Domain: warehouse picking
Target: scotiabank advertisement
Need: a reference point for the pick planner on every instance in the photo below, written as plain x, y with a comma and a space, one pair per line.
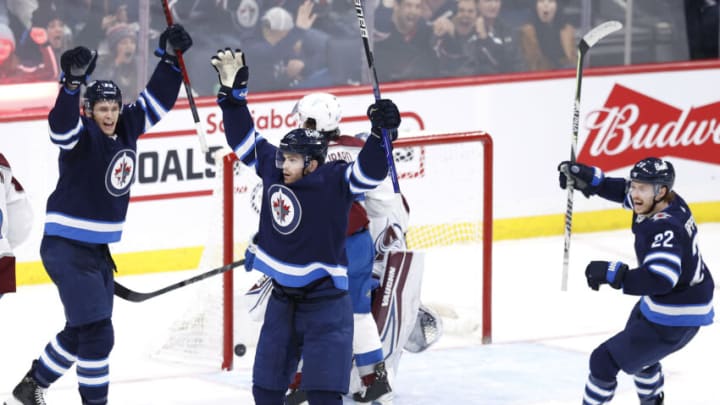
670, 111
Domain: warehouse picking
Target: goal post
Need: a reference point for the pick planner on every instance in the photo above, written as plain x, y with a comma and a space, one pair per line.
447, 180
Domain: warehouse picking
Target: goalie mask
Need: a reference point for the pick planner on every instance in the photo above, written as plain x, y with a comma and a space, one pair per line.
101, 90
319, 111
306, 142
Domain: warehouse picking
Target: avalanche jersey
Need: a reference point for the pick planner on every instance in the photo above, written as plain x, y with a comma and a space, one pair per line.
672, 278
91, 197
301, 237
382, 206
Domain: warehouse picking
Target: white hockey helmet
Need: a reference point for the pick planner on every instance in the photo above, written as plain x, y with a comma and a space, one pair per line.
323, 108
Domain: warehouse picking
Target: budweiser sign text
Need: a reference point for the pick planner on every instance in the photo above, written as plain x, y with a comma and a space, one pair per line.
632, 126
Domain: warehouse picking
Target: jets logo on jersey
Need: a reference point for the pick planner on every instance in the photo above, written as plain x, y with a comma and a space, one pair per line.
660, 215
120, 173
285, 208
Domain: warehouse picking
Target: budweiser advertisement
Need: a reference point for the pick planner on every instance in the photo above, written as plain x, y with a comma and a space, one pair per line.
631, 126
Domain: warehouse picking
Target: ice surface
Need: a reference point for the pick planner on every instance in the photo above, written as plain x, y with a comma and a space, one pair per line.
542, 337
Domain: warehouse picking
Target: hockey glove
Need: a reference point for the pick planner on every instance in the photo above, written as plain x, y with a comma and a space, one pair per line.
600, 272
250, 254
173, 40
587, 179
384, 114
77, 65
232, 73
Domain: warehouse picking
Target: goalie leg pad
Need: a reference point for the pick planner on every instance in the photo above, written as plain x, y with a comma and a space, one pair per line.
256, 298
396, 302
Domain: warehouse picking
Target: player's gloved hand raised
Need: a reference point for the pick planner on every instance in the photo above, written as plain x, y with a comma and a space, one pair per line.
250, 253
77, 65
173, 40
232, 73
587, 179
600, 272
384, 114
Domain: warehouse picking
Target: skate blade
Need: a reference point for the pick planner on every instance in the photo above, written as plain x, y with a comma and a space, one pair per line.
12, 401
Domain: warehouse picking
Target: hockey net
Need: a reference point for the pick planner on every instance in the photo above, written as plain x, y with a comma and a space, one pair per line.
447, 182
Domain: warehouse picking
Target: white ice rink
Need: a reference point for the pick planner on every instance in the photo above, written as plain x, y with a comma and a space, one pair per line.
542, 336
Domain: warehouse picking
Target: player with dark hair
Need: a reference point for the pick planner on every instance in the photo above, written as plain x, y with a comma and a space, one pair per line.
301, 241
674, 283
15, 223
87, 209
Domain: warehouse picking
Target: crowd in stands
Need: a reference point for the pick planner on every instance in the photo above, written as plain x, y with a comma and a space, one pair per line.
297, 44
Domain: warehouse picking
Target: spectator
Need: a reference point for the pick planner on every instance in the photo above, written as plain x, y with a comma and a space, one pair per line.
13, 71
406, 52
287, 55
701, 22
121, 61
481, 44
45, 18
548, 40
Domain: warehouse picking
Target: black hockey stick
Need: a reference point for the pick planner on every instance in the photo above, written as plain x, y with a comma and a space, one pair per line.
134, 296
376, 92
587, 41
186, 82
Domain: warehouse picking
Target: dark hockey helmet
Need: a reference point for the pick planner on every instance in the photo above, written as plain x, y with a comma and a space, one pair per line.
307, 142
101, 90
654, 171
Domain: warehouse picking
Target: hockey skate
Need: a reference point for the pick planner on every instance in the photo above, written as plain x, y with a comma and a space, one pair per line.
658, 400
296, 397
377, 390
27, 392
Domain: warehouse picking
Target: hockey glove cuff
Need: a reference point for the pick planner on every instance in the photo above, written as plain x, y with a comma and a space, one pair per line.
77, 65
233, 75
173, 40
384, 114
250, 254
603, 272
587, 179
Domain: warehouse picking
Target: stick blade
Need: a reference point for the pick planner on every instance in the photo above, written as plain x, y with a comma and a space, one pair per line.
600, 32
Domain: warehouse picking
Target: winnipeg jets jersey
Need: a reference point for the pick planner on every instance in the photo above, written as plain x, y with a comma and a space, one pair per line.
672, 278
92, 194
301, 235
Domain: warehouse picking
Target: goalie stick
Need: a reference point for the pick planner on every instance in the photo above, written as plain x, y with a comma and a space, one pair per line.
587, 41
376, 92
186, 83
135, 296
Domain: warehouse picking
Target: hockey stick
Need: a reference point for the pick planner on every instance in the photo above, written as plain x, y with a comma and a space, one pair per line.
587, 41
376, 92
186, 82
134, 296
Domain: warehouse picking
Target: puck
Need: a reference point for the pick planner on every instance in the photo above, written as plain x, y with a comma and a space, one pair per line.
240, 349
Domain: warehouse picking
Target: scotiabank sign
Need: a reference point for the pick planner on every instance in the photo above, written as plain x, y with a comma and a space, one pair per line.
632, 126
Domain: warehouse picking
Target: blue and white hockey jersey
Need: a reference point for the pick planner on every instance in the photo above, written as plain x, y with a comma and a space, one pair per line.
92, 194
672, 278
301, 235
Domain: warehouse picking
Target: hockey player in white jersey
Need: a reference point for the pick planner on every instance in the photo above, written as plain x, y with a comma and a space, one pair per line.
15, 223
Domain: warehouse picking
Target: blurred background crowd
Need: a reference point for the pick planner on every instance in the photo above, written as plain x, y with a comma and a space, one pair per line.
294, 44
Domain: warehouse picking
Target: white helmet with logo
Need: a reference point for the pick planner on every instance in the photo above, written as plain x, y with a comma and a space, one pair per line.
323, 108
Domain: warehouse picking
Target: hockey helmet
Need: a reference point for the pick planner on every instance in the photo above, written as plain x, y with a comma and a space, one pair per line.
323, 108
306, 142
654, 171
101, 90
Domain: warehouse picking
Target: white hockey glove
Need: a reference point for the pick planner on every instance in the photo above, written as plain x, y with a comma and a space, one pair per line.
232, 73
